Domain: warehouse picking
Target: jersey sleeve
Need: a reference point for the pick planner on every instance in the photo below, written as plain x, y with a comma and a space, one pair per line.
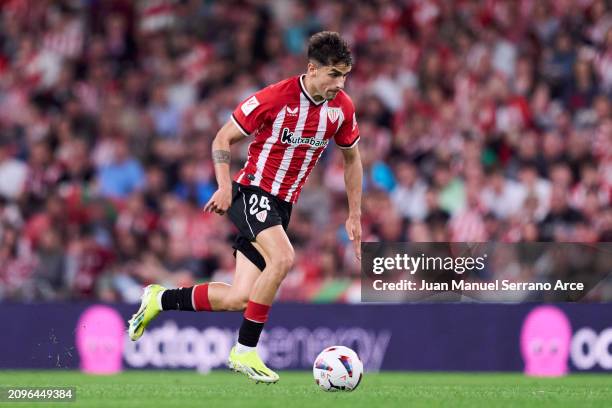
251, 113
348, 135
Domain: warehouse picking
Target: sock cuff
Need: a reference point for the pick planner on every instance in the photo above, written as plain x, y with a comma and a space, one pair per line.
159, 300
257, 312
199, 298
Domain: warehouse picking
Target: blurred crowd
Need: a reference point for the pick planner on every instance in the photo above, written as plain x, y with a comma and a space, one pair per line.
480, 121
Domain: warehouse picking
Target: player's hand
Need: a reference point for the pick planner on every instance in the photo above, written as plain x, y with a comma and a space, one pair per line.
219, 202
353, 228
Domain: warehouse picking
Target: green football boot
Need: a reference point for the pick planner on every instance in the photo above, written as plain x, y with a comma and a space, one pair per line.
149, 309
251, 365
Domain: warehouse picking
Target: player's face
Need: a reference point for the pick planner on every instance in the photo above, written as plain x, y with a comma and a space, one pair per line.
329, 80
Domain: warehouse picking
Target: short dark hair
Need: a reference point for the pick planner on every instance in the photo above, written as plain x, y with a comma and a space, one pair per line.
328, 48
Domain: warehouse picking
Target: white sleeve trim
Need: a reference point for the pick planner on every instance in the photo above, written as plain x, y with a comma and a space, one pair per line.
351, 145
244, 132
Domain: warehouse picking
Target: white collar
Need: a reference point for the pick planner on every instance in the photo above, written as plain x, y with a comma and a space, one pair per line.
310, 98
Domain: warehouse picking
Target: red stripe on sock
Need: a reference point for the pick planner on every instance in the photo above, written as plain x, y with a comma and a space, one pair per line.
257, 312
200, 298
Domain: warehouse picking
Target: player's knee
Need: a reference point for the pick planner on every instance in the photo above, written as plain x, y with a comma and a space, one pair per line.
283, 261
236, 303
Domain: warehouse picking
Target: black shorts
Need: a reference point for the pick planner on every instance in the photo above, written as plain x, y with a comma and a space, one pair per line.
252, 211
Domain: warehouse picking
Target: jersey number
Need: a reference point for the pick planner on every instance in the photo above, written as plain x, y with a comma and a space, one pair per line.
264, 203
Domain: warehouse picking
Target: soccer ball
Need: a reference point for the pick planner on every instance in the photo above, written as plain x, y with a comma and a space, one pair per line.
337, 368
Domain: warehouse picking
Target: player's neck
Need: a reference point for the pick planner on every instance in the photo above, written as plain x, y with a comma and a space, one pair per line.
311, 91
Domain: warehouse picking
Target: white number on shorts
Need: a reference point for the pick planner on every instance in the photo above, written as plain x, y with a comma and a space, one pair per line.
264, 203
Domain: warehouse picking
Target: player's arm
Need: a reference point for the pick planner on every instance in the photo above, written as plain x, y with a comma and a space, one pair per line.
353, 179
222, 198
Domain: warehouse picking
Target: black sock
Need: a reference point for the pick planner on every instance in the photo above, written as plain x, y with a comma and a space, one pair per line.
249, 333
177, 299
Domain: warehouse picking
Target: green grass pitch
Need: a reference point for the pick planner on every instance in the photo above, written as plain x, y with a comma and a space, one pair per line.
169, 389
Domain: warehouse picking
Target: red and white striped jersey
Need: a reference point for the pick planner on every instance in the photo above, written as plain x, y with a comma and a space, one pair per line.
290, 131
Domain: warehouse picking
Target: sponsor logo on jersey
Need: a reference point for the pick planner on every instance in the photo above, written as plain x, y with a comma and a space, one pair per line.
333, 114
288, 137
249, 105
292, 112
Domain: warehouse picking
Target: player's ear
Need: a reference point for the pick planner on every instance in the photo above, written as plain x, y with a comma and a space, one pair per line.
311, 69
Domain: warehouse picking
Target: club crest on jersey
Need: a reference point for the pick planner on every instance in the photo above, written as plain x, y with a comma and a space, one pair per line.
288, 137
261, 216
333, 114
292, 112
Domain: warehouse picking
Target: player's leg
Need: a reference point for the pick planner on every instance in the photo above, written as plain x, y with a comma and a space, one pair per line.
279, 255
219, 296
213, 296
234, 297
277, 249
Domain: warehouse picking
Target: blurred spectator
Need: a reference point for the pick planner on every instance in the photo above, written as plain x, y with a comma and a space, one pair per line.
558, 223
409, 193
191, 188
503, 197
13, 172
50, 274
123, 174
